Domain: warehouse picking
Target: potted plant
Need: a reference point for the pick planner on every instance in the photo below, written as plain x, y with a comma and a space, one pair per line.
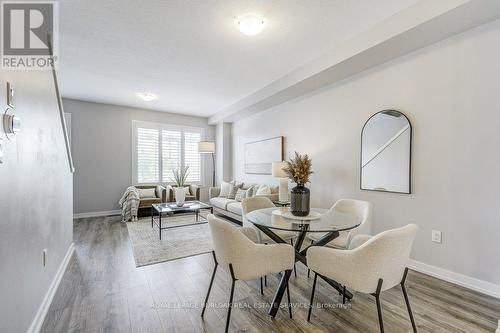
180, 176
298, 169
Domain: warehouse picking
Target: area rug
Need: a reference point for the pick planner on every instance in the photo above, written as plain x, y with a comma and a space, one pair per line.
175, 243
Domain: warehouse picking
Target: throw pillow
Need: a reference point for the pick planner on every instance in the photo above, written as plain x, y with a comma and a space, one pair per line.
233, 189
263, 190
147, 193
187, 190
240, 194
224, 189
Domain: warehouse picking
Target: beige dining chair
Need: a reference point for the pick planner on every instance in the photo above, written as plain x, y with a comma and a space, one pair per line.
377, 263
254, 203
362, 210
238, 254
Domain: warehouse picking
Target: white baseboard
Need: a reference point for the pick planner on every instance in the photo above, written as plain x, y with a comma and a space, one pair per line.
96, 214
481, 286
37, 322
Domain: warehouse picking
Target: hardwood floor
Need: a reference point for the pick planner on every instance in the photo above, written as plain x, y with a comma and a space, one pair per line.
103, 291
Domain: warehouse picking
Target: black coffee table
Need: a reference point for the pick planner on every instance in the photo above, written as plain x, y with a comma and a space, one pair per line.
170, 208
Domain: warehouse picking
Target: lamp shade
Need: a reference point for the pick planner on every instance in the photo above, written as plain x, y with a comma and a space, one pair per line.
206, 147
277, 169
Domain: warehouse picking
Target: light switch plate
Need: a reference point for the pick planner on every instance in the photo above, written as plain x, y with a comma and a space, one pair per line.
2, 146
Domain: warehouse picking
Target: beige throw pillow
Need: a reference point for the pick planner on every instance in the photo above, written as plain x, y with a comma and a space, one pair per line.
147, 193
225, 187
263, 190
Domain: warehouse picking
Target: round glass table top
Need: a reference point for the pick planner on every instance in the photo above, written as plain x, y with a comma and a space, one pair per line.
329, 221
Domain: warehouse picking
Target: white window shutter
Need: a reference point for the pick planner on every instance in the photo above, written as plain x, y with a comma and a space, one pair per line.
191, 155
171, 153
148, 162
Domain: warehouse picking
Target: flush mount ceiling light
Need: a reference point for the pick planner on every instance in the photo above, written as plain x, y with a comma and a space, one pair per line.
148, 97
250, 24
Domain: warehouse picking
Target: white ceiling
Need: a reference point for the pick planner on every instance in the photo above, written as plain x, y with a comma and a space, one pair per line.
190, 54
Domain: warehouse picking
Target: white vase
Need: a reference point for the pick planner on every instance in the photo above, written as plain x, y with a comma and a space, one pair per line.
180, 196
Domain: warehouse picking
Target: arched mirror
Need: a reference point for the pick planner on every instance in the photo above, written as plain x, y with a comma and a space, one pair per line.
386, 153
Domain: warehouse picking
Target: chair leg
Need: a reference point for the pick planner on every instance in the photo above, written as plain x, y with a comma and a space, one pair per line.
308, 270
379, 307
210, 286
265, 280
407, 301
343, 296
294, 268
230, 298
261, 287
312, 297
288, 296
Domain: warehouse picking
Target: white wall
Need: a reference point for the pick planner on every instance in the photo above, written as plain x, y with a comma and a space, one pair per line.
223, 141
450, 92
36, 205
102, 150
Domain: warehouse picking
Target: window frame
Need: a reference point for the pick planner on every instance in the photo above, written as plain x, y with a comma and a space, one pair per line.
160, 127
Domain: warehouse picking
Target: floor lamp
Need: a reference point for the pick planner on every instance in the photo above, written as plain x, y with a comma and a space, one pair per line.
208, 147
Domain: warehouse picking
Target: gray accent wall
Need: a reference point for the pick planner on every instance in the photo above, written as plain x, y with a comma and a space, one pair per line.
450, 92
102, 150
36, 205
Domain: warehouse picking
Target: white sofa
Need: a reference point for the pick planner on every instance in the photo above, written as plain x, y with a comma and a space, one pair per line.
232, 208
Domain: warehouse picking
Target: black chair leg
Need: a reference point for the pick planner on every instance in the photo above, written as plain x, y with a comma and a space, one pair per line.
261, 287
294, 268
308, 270
407, 301
210, 286
265, 280
343, 296
379, 307
230, 297
288, 296
312, 298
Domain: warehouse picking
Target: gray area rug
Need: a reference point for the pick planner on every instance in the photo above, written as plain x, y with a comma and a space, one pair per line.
175, 243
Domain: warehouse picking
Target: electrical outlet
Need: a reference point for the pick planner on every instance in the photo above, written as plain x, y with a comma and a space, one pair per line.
436, 236
44, 257
10, 95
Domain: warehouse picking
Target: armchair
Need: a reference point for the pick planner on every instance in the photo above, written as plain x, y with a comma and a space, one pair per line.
145, 203
194, 193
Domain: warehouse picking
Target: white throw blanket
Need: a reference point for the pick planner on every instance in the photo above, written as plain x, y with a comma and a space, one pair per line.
129, 204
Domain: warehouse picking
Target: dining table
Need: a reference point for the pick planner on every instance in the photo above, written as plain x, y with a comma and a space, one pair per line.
328, 222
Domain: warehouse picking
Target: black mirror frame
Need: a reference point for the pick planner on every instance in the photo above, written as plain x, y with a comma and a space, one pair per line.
411, 153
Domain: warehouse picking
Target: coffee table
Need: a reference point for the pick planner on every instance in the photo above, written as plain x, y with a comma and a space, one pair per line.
170, 208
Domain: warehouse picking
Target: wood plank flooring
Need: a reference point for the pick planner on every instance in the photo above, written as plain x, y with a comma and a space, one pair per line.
103, 291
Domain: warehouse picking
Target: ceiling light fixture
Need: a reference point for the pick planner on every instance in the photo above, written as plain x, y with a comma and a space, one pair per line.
148, 97
250, 24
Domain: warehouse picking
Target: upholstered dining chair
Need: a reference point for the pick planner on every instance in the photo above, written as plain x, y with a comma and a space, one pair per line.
359, 208
377, 264
237, 253
253, 203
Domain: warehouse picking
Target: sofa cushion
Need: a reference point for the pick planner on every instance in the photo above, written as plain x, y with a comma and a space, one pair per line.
221, 202
235, 208
147, 202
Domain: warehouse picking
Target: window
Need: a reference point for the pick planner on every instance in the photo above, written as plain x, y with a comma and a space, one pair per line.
161, 148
